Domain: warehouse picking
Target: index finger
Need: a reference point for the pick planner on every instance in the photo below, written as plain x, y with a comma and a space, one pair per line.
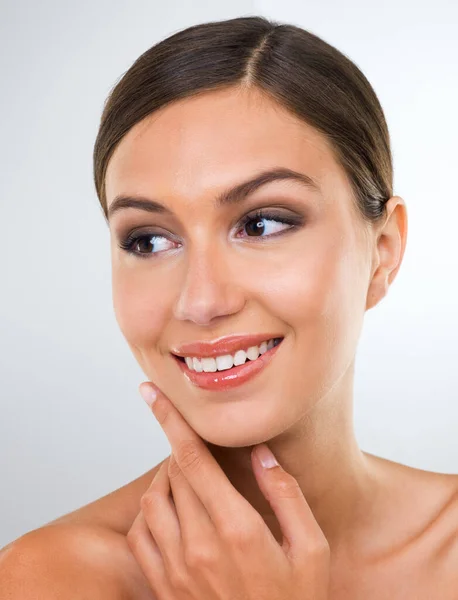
198, 465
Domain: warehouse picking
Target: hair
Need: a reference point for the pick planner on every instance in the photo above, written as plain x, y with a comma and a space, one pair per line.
294, 67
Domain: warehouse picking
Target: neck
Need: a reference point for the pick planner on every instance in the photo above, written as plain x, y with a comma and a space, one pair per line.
321, 452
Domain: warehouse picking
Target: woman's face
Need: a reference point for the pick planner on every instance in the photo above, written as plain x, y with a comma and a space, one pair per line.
206, 275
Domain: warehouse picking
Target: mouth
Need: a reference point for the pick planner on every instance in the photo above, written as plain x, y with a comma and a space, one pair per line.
227, 378
275, 342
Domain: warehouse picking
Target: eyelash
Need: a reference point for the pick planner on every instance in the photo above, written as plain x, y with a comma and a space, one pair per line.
294, 222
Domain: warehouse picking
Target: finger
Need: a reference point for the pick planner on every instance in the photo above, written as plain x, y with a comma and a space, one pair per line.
301, 532
195, 522
162, 519
221, 500
148, 556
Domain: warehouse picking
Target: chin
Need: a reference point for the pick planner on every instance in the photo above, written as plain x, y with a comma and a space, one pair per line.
235, 425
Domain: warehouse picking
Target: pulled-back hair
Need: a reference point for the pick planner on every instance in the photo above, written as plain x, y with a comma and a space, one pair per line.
296, 68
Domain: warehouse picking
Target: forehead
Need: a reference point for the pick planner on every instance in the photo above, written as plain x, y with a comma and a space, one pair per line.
210, 141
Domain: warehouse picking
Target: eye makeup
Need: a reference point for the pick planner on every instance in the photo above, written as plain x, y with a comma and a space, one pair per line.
294, 221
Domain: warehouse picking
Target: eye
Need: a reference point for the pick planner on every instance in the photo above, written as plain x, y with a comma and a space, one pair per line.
254, 223
147, 240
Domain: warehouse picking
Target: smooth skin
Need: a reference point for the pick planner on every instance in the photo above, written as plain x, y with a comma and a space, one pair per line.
391, 529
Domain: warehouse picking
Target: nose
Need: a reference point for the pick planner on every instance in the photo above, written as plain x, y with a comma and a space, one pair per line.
209, 288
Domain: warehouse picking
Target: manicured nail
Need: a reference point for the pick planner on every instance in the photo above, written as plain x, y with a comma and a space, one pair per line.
149, 394
266, 457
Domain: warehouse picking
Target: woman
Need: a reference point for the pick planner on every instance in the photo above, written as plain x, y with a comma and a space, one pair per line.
245, 172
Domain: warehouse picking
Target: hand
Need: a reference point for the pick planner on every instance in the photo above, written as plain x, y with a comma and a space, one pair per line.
209, 543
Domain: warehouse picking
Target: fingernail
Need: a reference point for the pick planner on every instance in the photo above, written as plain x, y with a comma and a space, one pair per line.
149, 394
266, 457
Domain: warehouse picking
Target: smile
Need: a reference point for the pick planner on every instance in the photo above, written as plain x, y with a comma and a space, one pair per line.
227, 361
245, 365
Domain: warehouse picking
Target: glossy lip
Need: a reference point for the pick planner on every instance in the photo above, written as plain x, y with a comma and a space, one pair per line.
225, 345
230, 378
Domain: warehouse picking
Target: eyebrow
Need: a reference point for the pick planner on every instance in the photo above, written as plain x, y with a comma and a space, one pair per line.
230, 197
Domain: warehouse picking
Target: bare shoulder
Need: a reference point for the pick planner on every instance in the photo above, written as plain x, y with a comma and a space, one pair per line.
82, 554
437, 548
426, 499
71, 561
444, 531
115, 511
425, 513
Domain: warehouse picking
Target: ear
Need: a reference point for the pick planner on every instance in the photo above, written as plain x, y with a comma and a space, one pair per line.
390, 244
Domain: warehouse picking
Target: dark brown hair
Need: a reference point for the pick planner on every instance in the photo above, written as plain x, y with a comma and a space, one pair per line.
302, 72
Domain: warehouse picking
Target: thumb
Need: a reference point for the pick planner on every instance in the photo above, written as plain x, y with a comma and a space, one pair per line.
300, 530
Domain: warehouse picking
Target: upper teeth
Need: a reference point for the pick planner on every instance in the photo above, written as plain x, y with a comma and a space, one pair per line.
227, 361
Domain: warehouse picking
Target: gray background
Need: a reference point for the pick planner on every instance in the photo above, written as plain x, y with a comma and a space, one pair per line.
72, 424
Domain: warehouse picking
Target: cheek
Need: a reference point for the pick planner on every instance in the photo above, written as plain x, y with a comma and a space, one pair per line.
307, 288
140, 310
320, 297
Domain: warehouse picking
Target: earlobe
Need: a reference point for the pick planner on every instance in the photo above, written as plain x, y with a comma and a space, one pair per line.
376, 292
389, 250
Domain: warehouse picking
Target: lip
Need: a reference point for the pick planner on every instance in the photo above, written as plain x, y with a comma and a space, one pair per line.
231, 378
225, 345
